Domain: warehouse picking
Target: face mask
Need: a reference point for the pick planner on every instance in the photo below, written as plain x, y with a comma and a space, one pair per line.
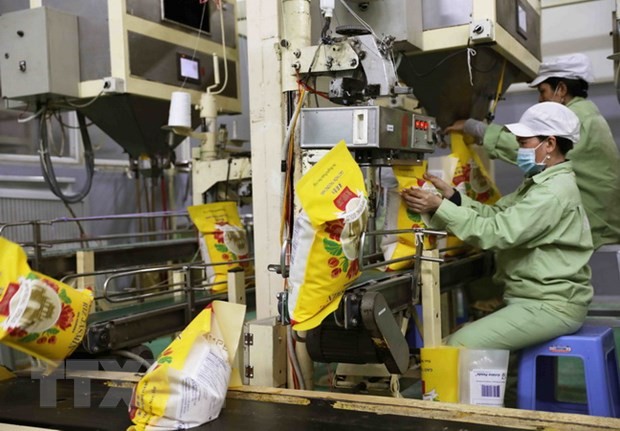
526, 160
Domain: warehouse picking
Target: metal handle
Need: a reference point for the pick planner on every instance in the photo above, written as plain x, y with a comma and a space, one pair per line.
418, 232
282, 268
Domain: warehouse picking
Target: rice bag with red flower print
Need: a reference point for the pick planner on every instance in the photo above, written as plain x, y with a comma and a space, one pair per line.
399, 216
470, 178
39, 316
326, 236
222, 239
186, 386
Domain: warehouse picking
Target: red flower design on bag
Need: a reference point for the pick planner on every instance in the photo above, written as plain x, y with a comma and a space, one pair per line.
66, 317
354, 268
17, 332
333, 262
244, 264
334, 229
462, 176
51, 284
336, 272
483, 197
219, 234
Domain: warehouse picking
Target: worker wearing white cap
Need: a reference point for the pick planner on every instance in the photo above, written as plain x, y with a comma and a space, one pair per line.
540, 235
596, 160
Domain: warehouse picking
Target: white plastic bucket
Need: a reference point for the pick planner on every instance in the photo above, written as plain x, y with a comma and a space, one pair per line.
482, 376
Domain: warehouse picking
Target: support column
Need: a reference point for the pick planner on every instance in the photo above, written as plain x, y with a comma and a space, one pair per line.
267, 128
431, 301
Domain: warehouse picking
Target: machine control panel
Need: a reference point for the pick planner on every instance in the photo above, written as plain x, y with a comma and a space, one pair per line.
423, 136
368, 127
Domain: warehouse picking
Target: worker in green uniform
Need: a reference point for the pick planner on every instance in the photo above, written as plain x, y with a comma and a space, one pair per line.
596, 160
540, 234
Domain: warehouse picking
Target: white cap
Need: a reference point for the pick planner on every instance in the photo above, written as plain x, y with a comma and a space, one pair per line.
547, 119
573, 66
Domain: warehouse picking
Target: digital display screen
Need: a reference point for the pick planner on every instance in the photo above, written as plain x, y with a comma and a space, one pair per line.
188, 68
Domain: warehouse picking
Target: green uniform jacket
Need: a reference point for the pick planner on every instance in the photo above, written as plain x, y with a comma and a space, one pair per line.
540, 234
596, 161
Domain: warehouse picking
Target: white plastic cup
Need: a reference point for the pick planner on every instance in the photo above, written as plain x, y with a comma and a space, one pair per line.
180, 115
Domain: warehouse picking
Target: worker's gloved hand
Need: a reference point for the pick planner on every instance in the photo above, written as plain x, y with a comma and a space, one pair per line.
456, 127
421, 201
444, 188
469, 127
475, 128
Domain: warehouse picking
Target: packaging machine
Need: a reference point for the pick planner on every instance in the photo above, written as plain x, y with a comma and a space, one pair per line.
396, 74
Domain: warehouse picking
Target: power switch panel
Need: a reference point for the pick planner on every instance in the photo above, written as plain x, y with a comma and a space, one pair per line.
482, 31
39, 56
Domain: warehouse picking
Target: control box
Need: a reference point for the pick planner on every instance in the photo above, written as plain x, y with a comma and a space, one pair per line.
367, 127
39, 54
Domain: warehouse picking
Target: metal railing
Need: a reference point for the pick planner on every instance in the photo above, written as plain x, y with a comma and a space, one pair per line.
40, 243
186, 289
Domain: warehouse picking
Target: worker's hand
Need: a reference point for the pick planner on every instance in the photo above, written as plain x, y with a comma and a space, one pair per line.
420, 201
444, 188
470, 128
456, 127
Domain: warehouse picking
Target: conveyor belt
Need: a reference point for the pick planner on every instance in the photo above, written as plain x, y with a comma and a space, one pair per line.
266, 409
128, 309
131, 325
455, 272
61, 263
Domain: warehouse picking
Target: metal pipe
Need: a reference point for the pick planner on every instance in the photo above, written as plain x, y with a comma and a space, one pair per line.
208, 111
49, 243
417, 232
38, 254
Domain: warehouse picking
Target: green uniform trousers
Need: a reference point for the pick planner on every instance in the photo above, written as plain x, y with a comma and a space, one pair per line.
521, 323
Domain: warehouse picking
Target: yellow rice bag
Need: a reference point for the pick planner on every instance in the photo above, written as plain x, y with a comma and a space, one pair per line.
470, 178
324, 255
187, 385
223, 239
14, 262
398, 216
39, 316
439, 368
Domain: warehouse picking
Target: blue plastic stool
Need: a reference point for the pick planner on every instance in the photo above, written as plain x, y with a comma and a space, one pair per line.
537, 373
